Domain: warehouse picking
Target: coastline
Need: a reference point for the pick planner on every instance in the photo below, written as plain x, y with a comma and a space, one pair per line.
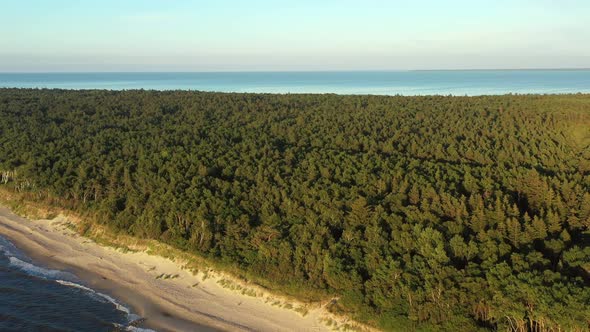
433, 82
169, 297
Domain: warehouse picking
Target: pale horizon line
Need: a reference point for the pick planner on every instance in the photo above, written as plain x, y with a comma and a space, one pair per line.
291, 71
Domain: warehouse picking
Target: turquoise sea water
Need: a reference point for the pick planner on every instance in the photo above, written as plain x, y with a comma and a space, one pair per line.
475, 82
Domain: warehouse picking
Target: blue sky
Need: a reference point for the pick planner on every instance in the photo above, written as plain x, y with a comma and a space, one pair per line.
227, 35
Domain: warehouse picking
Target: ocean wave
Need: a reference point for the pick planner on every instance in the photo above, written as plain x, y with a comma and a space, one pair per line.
134, 328
8, 249
99, 296
38, 271
20, 261
131, 317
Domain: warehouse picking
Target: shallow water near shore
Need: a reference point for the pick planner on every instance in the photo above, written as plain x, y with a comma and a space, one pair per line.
35, 298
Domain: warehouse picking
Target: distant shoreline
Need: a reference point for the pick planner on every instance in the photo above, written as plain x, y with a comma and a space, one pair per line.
465, 82
294, 71
585, 93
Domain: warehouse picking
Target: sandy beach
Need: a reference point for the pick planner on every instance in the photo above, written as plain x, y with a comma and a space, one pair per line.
169, 297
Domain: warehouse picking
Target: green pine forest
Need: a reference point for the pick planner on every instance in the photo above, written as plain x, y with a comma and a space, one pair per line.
416, 213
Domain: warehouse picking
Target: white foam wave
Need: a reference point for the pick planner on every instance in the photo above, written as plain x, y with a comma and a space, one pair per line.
20, 261
103, 298
100, 296
7, 248
37, 271
138, 329
132, 328
12, 253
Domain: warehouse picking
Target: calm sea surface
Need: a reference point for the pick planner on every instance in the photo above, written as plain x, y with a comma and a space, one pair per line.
33, 298
476, 82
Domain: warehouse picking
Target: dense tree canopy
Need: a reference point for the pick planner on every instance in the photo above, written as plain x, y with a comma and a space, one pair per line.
441, 213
